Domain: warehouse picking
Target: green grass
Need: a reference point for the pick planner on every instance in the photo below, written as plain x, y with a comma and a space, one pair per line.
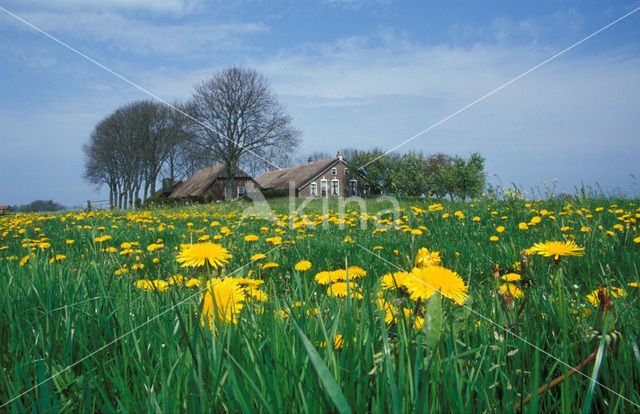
155, 354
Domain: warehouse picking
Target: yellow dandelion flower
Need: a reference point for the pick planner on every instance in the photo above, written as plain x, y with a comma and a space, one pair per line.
154, 246
102, 238
394, 280
323, 277
256, 293
270, 265
70, 241
523, 226
556, 249
338, 274
494, 238
356, 272
425, 281
338, 341
302, 266
426, 258
222, 302
258, 256
196, 255
511, 288
377, 247
251, 238
511, 277
500, 229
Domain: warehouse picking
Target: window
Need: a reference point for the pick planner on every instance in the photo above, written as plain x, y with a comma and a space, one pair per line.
353, 188
240, 191
335, 188
323, 187
334, 171
314, 189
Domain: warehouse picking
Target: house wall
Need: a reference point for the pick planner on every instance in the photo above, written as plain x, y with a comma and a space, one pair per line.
342, 178
217, 188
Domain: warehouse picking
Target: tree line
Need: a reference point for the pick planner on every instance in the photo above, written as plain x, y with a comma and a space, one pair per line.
233, 118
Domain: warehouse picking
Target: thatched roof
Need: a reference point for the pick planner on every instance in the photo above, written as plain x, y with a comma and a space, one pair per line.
299, 174
200, 182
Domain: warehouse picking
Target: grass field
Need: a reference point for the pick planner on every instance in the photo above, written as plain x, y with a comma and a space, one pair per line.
98, 314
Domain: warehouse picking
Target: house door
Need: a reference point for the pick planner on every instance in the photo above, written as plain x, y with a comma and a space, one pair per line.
323, 188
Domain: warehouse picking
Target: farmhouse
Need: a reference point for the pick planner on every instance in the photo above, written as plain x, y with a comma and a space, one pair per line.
325, 178
210, 181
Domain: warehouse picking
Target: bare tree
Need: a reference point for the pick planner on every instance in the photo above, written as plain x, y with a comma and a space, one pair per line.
237, 113
128, 148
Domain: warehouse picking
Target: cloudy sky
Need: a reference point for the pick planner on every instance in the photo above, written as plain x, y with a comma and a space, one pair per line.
352, 73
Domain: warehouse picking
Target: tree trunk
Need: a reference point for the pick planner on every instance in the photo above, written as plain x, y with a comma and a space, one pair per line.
228, 182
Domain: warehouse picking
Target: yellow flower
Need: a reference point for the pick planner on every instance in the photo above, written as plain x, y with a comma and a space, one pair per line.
585, 229
500, 229
340, 289
258, 256
377, 247
204, 238
425, 281
523, 226
196, 255
222, 302
416, 232
613, 293
57, 257
557, 249
356, 272
426, 258
494, 238
302, 266
251, 238
270, 265
338, 341
394, 280
511, 277
323, 277
70, 241
154, 246
145, 284
102, 238
637, 239
476, 218
513, 289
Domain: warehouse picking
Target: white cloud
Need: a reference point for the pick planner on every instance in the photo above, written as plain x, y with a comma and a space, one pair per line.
120, 33
158, 6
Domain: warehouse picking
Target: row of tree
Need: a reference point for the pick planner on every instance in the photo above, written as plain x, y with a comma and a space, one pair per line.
233, 118
416, 174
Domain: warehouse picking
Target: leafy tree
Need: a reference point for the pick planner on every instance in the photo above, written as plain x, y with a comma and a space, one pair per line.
408, 174
458, 177
40, 206
235, 112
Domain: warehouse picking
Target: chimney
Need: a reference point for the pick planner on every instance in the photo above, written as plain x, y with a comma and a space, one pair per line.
338, 155
310, 160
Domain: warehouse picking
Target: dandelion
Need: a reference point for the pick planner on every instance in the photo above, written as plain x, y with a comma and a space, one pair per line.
323, 277
102, 238
356, 272
338, 341
222, 302
614, 292
197, 255
557, 249
511, 277
154, 246
270, 265
70, 241
500, 229
394, 280
251, 238
258, 256
57, 258
426, 258
425, 281
302, 266
512, 289
494, 238
523, 226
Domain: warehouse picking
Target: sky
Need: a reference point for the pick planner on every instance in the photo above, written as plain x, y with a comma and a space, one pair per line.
351, 73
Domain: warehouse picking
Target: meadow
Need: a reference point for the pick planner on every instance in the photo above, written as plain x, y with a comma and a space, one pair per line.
428, 306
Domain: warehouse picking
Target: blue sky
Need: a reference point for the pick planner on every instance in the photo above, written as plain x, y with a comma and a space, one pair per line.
353, 73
